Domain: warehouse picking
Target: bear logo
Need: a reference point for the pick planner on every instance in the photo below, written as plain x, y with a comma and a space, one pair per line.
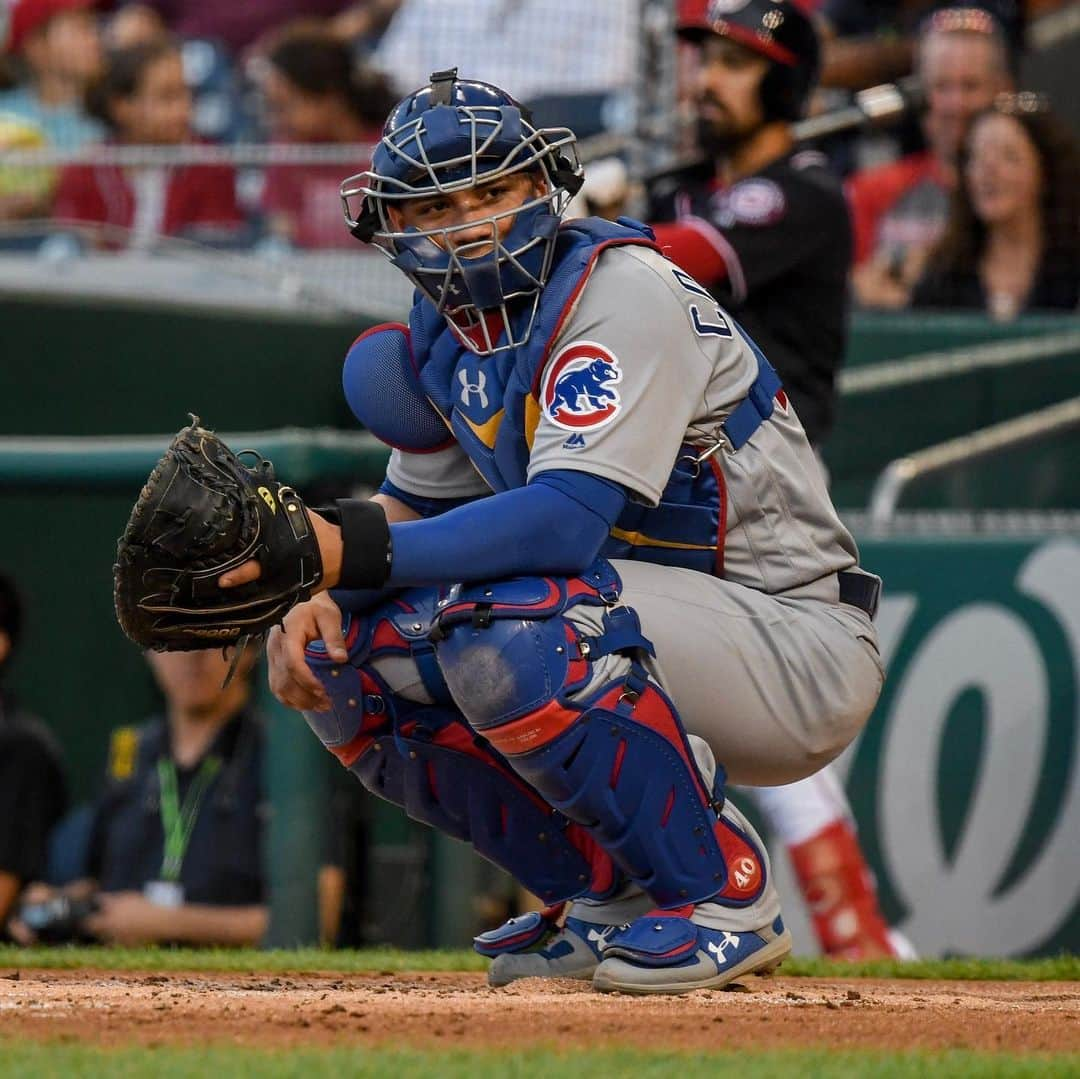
579, 388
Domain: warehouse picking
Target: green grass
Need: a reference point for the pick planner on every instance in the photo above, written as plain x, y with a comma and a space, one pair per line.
377, 960
42, 1061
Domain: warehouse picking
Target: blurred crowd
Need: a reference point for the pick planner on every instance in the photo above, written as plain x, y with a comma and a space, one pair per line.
983, 169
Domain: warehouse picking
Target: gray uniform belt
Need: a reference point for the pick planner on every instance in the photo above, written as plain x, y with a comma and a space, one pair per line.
862, 590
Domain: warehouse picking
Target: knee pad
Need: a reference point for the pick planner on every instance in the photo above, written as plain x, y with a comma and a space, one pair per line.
608, 752
360, 699
425, 759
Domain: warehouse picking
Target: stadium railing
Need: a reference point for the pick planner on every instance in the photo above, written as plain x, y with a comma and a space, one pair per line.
899, 474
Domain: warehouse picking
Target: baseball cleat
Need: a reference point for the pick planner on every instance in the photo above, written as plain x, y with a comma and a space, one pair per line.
532, 946
668, 953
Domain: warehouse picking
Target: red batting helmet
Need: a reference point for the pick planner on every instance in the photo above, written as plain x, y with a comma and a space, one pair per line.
776, 29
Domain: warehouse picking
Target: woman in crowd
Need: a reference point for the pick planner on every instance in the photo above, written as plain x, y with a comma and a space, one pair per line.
144, 100
1012, 241
315, 94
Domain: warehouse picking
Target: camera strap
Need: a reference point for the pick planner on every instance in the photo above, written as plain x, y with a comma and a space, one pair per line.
178, 821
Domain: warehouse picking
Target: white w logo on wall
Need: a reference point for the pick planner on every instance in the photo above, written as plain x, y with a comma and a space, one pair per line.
996, 872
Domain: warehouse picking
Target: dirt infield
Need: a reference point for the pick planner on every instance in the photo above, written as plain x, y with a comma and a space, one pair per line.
443, 1010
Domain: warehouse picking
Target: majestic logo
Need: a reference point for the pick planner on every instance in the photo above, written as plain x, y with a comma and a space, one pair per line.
729, 940
468, 388
574, 442
578, 390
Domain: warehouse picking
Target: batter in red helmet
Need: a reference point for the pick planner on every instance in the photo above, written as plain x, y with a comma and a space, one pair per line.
763, 224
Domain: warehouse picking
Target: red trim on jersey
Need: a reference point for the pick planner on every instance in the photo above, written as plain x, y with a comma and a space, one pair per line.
572, 301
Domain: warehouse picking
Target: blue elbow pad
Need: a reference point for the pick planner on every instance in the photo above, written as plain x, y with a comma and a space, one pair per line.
382, 387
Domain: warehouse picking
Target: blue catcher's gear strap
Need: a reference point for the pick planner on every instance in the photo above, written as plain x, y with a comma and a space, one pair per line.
756, 407
613, 757
555, 524
521, 933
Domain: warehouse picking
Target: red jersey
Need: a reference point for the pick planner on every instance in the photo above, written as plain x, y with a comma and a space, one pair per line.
196, 197
899, 205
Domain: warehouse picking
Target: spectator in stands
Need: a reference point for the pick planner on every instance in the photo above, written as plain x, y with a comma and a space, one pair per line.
57, 48
144, 100
176, 849
572, 64
315, 94
32, 791
239, 24
899, 209
865, 44
1012, 240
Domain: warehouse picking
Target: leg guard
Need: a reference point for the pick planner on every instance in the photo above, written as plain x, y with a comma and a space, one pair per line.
424, 758
582, 721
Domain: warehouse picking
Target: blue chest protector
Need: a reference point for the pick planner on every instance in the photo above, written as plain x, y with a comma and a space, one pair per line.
488, 399
492, 407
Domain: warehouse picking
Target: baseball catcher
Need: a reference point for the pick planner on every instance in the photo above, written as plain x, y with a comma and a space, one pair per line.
601, 578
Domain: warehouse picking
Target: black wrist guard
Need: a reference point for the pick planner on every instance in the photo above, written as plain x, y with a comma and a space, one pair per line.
365, 540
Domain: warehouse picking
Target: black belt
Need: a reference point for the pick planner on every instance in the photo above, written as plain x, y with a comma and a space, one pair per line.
862, 590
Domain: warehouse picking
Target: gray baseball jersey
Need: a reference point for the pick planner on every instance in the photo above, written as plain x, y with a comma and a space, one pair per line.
677, 365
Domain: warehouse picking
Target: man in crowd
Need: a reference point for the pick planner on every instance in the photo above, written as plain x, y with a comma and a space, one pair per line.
176, 848
899, 209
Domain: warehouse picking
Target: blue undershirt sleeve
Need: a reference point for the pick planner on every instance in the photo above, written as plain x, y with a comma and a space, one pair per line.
556, 524
426, 507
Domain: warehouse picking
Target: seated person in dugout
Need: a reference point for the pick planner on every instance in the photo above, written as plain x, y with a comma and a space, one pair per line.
32, 790
176, 848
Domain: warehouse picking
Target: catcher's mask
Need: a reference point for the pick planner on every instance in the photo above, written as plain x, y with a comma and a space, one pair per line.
450, 136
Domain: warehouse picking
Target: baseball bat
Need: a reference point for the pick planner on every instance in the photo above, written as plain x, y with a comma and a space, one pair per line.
873, 107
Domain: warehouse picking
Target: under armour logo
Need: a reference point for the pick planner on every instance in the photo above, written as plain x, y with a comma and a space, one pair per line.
476, 387
599, 937
730, 940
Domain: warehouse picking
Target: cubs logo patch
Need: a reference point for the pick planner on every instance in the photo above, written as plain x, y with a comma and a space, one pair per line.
579, 387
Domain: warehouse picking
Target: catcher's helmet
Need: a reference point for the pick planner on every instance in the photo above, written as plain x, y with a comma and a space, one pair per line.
447, 137
777, 29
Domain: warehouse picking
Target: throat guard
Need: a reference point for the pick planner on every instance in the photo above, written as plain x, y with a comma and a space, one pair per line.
450, 136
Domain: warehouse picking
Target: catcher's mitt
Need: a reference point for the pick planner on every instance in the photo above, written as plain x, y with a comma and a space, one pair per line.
203, 512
